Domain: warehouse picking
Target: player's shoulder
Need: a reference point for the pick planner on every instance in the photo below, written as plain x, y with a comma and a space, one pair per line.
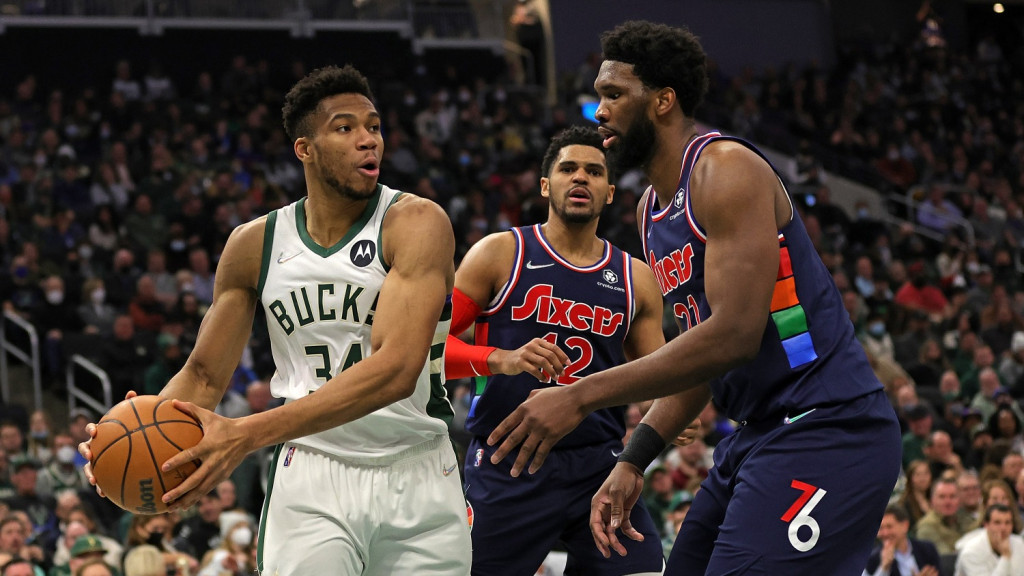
498, 247
249, 234
410, 206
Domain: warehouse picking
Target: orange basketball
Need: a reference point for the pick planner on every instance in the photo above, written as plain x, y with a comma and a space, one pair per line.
133, 440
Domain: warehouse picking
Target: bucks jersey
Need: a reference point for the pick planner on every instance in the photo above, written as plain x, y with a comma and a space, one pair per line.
809, 355
320, 302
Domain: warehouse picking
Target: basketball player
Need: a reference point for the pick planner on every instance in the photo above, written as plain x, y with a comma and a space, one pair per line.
801, 486
552, 286
355, 280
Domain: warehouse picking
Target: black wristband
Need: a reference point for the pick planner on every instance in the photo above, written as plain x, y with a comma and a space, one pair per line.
643, 447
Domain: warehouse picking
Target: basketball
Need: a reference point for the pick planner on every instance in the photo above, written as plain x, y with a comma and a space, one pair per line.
132, 442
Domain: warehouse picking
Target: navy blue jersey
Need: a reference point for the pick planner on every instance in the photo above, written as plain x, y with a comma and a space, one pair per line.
809, 355
584, 311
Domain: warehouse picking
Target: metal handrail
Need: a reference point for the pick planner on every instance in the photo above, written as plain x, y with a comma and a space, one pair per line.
31, 358
75, 393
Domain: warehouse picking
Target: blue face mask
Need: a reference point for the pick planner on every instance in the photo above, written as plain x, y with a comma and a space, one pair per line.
876, 328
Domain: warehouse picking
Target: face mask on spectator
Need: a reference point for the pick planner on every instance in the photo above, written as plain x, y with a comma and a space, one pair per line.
876, 329
65, 455
55, 296
155, 539
40, 435
85, 251
242, 536
98, 296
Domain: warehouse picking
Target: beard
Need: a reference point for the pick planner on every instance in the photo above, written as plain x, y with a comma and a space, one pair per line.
635, 147
345, 191
576, 216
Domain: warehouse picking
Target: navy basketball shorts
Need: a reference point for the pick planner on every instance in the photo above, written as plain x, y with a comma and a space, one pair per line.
517, 521
799, 494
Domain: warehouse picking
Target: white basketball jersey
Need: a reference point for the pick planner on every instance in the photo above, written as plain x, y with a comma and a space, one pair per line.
320, 304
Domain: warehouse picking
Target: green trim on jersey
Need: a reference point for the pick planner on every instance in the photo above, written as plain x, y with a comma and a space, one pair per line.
380, 234
357, 226
268, 247
438, 405
266, 504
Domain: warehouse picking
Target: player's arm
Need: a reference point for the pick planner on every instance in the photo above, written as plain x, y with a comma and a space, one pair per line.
733, 194
419, 244
227, 324
645, 336
481, 275
224, 331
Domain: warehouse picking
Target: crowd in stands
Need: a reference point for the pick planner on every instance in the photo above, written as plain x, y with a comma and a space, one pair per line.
116, 201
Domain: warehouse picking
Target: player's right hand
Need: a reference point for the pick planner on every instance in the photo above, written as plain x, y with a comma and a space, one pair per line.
85, 449
538, 357
611, 507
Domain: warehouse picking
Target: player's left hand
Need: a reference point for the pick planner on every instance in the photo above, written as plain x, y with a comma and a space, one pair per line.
221, 450
538, 424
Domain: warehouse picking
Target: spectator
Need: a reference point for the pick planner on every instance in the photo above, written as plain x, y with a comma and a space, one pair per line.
940, 454
40, 434
156, 531
897, 553
40, 508
946, 522
202, 531
1011, 367
202, 275
94, 313
915, 499
144, 560
125, 356
61, 473
969, 487
918, 294
1004, 423
920, 422
145, 309
999, 551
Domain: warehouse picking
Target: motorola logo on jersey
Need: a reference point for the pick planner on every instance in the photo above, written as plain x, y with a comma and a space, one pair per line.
610, 277
566, 313
680, 198
363, 252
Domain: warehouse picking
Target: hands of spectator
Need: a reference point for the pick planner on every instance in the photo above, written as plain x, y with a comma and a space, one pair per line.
927, 571
611, 506
888, 554
538, 357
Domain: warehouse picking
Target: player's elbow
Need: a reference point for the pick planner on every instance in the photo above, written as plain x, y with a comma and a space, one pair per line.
744, 343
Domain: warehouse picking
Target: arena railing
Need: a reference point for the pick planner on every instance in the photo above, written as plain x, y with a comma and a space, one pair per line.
76, 394
446, 23
29, 357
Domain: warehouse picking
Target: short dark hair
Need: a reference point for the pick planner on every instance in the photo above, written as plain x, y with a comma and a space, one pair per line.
14, 562
302, 100
662, 56
573, 135
898, 512
996, 508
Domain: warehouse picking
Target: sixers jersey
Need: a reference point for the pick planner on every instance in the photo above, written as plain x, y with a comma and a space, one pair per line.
584, 311
809, 355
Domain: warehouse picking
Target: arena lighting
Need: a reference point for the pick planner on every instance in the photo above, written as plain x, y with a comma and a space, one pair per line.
998, 8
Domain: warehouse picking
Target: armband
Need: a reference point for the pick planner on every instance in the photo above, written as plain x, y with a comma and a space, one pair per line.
643, 447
